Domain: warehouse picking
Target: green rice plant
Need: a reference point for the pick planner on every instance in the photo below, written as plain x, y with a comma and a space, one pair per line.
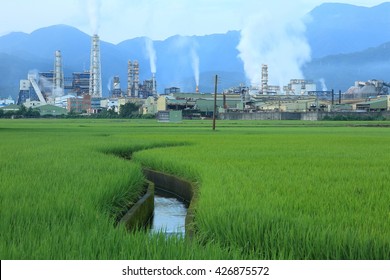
267, 190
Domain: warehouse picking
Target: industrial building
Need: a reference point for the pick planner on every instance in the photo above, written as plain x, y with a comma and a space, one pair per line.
153, 105
362, 90
51, 110
44, 87
134, 87
79, 83
170, 116
39, 87
300, 87
132, 78
6, 102
82, 93
172, 90
116, 90
79, 104
31, 89
375, 105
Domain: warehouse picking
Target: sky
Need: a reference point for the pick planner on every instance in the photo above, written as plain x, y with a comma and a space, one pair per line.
118, 20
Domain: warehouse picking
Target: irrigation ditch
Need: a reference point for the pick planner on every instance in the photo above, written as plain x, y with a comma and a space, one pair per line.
182, 192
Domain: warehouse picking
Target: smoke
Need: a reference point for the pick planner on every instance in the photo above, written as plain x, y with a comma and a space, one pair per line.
323, 85
152, 54
195, 62
188, 48
93, 8
34, 73
109, 84
277, 40
47, 87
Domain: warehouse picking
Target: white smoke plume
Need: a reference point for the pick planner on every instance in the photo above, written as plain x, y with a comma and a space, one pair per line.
277, 40
188, 45
323, 85
109, 83
93, 8
195, 62
47, 86
152, 54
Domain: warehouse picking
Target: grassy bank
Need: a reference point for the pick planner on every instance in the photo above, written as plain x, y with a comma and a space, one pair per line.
272, 190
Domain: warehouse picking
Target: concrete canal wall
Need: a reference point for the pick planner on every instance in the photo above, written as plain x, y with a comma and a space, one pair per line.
140, 214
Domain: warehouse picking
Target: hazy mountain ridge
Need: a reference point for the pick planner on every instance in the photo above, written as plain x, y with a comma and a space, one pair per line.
348, 43
342, 28
340, 71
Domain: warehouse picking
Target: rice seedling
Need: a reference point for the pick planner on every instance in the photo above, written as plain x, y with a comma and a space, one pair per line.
282, 190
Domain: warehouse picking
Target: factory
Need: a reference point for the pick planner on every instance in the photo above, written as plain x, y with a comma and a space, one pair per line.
362, 90
81, 92
41, 88
135, 88
300, 87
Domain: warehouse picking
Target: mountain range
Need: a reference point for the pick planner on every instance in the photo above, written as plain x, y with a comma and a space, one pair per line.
347, 43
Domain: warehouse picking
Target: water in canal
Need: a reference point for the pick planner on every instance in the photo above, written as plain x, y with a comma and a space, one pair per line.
169, 214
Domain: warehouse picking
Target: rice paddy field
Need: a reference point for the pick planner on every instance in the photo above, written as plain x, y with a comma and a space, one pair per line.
267, 190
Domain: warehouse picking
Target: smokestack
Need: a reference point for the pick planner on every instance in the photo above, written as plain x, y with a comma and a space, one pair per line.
264, 79
58, 82
130, 78
136, 78
95, 79
116, 87
154, 85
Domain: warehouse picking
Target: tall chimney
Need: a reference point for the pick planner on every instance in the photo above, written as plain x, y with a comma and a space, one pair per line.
264, 79
130, 79
136, 78
95, 79
58, 83
154, 85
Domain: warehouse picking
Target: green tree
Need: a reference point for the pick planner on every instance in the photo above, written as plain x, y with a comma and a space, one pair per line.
30, 113
129, 110
22, 111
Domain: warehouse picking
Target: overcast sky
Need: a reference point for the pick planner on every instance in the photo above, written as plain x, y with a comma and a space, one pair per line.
118, 20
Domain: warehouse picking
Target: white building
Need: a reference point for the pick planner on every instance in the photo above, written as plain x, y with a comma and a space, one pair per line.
62, 101
6, 101
300, 87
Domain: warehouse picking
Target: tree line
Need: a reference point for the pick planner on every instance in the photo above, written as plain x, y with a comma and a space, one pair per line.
126, 111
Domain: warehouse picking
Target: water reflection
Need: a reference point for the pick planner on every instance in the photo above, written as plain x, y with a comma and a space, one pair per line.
169, 215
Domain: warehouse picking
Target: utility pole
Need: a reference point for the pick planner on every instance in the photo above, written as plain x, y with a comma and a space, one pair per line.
332, 96
215, 100
339, 96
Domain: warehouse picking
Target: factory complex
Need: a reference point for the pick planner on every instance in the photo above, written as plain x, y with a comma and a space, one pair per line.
51, 93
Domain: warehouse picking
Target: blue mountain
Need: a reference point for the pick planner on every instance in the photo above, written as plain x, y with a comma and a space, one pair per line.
341, 28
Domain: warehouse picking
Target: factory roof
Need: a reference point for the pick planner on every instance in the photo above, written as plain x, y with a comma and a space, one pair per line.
12, 107
179, 101
48, 109
374, 104
208, 104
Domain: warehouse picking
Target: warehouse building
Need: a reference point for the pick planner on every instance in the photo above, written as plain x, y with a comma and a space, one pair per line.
376, 105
